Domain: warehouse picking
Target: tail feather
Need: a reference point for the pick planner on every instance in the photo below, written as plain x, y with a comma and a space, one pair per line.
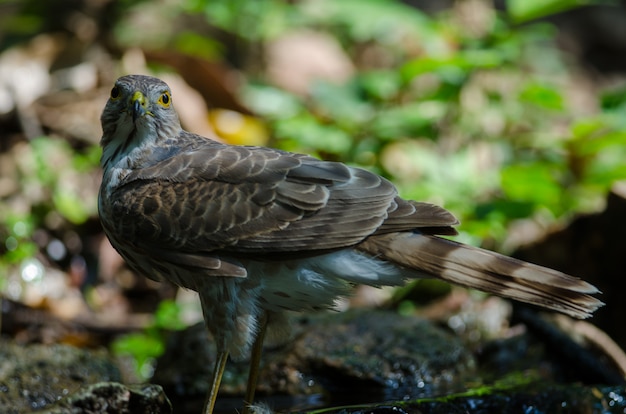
487, 271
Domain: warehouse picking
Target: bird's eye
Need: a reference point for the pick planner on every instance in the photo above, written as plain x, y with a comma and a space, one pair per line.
165, 99
115, 93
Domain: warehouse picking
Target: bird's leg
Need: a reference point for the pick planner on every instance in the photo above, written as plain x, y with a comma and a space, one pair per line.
218, 372
255, 361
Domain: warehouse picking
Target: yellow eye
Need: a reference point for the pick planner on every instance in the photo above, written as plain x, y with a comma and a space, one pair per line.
115, 93
165, 99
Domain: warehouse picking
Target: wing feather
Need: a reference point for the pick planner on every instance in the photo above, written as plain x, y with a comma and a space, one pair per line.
216, 198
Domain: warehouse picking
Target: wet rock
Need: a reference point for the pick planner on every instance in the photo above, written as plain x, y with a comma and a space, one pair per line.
337, 358
34, 376
523, 398
380, 356
114, 398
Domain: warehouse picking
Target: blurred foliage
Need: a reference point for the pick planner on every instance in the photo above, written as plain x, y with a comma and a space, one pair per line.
525, 10
144, 347
479, 119
479, 114
55, 196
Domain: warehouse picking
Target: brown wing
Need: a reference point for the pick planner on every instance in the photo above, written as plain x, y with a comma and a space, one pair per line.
258, 200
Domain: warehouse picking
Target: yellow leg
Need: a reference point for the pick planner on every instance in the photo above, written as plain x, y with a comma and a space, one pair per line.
255, 361
218, 372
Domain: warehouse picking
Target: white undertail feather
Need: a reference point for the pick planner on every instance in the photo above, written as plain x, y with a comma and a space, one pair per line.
487, 271
260, 408
316, 282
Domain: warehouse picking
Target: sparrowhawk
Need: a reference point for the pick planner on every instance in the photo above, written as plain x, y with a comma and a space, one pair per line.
258, 231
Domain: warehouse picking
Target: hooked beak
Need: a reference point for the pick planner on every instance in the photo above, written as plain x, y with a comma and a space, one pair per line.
138, 102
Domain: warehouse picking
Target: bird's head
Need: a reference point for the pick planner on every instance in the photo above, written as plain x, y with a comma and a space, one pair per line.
139, 112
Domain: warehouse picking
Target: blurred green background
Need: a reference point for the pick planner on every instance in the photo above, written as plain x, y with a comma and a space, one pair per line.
498, 111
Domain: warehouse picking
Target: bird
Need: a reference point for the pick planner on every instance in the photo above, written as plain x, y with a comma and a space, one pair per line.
258, 232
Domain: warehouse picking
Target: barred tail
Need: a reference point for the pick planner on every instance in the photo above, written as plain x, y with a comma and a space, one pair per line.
487, 271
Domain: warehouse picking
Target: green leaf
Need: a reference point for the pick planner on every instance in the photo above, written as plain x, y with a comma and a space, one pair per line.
271, 102
198, 45
70, 205
543, 96
340, 103
309, 133
614, 100
410, 120
595, 144
89, 160
142, 347
452, 68
603, 176
525, 10
535, 182
43, 150
251, 20
138, 344
380, 20
382, 85
586, 127
168, 316
18, 250
511, 209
